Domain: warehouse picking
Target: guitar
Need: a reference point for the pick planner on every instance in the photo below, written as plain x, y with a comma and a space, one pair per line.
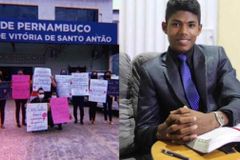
163, 151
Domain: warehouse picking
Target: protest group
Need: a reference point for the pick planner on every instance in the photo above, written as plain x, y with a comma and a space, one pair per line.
45, 99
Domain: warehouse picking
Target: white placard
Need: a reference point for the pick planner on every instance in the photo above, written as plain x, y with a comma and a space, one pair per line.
42, 79
37, 116
42, 71
79, 85
98, 90
63, 85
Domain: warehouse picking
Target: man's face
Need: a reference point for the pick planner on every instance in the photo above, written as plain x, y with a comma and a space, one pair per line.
182, 29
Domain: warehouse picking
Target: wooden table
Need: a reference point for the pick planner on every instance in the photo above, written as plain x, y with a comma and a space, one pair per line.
187, 152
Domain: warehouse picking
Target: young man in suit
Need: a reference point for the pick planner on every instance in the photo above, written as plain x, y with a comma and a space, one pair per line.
188, 90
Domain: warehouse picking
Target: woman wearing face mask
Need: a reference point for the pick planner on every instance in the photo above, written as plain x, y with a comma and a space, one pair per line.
41, 98
2, 101
93, 105
108, 104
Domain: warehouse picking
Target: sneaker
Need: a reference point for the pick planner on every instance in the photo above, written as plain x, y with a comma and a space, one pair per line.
75, 121
105, 121
2, 126
110, 122
24, 124
18, 125
81, 122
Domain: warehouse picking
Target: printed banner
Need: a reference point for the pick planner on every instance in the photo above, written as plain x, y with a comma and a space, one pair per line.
42, 79
79, 85
20, 86
63, 85
113, 87
37, 119
98, 90
59, 109
46, 31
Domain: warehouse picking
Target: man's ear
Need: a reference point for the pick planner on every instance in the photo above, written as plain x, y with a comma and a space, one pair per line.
199, 29
164, 27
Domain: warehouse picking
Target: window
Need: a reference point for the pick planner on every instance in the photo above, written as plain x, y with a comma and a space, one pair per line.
76, 14
21, 12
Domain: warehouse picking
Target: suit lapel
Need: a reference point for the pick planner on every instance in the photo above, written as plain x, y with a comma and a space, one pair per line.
172, 75
200, 75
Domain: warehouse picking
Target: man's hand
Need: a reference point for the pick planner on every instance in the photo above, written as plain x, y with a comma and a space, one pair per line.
180, 127
184, 124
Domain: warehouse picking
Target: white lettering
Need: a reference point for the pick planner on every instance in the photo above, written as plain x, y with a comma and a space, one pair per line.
50, 38
3, 36
7, 25
42, 26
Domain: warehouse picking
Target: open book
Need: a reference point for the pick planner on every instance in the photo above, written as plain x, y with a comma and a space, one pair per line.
216, 138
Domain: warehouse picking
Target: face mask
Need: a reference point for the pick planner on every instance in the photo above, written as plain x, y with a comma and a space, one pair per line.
41, 96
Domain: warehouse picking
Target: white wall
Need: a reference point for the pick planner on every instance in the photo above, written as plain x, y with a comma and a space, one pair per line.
140, 25
46, 8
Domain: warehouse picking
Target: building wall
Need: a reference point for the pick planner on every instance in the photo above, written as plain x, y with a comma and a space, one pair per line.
46, 8
74, 55
229, 30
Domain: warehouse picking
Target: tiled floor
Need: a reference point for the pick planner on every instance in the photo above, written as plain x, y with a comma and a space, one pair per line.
74, 142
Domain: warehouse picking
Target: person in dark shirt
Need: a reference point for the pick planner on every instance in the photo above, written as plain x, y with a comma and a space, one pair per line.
2, 101
20, 104
188, 90
41, 98
78, 102
109, 101
93, 105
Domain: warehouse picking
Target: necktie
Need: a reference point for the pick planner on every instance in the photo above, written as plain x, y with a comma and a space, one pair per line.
188, 84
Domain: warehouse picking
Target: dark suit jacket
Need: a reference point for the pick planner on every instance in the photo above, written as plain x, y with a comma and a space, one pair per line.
161, 90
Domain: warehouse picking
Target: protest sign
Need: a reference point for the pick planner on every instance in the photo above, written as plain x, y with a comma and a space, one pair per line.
79, 84
37, 118
98, 90
59, 109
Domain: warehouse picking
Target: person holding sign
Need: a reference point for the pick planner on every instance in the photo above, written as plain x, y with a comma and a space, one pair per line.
78, 101
93, 105
2, 100
20, 103
108, 104
42, 98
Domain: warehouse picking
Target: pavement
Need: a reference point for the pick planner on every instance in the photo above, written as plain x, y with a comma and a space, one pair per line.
75, 142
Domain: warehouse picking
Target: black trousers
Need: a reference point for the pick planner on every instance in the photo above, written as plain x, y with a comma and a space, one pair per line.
50, 120
20, 103
92, 110
78, 102
2, 110
108, 108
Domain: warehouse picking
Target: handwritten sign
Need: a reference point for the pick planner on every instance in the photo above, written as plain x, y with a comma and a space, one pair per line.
79, 85
5, 90
59, 109
20, 86
42, 79
113, 87
63, 85
37, 118
98, 90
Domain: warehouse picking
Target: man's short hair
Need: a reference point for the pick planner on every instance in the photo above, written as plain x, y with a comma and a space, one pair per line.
183, 5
